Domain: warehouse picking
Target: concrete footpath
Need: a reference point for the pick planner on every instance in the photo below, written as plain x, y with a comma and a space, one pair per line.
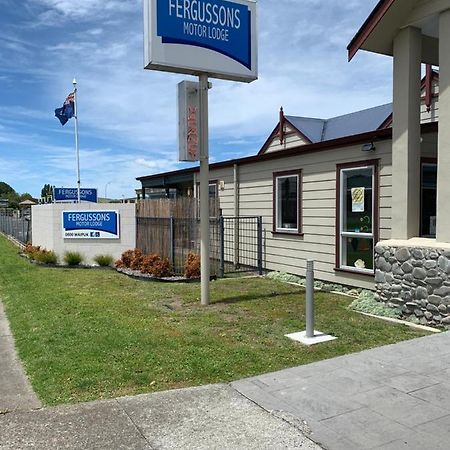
390, 398
208, 417
16, 393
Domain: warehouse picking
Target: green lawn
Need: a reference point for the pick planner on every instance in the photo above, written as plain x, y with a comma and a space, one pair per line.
89, 334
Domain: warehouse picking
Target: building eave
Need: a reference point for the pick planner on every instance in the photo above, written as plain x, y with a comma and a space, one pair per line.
376, 135
368, 26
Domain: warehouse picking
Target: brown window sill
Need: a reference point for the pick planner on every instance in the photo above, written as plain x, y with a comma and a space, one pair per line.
355, 272
287, 233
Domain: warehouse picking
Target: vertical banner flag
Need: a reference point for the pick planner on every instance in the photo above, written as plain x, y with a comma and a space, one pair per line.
188, 121
67, 111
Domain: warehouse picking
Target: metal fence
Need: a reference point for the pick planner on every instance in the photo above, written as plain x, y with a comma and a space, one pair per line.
16, 225
240, 244
235, 242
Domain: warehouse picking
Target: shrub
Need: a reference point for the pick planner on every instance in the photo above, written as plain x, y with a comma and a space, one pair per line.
31, 250
73, 258
192, 265
104, 260
119, 264
46, 257
137, 261
366, 303
127, 259
154, 265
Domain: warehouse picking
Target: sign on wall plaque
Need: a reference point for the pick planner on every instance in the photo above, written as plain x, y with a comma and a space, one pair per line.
216, 37
90, 225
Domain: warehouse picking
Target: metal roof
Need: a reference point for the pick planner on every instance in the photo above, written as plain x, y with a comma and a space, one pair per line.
320, 130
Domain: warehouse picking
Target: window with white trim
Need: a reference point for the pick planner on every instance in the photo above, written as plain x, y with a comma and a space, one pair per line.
287, 202
356, 218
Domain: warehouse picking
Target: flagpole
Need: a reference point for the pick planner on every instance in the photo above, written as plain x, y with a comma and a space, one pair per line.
77, 147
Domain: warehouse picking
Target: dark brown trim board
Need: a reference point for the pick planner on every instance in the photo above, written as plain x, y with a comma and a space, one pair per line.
377, 135
275, 175
368, 26
375, 163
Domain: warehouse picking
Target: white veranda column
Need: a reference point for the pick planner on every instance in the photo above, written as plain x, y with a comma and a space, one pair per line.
406, 134
443, 183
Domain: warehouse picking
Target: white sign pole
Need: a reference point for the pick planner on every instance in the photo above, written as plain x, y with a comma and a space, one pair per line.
204, 189
77, 146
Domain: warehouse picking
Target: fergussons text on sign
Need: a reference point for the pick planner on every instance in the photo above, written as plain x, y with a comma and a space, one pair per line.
90, 224
221, 26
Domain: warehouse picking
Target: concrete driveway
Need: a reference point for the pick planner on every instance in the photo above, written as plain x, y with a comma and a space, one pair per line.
392, 397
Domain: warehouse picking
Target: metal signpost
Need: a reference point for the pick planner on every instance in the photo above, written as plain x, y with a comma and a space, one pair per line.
310, 336
206, 38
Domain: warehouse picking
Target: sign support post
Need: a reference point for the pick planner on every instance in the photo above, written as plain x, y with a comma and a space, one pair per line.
204, 188
213, 39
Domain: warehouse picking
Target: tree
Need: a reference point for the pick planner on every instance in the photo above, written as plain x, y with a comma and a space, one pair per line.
6, 189
47, 193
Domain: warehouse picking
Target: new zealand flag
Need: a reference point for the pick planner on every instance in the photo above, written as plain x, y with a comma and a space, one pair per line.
68, 109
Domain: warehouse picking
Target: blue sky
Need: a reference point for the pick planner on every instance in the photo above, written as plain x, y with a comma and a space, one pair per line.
127, 115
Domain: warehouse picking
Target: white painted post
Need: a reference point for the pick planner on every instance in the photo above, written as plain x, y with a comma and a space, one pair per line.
204, 189
443, 166
309, 299
406, 134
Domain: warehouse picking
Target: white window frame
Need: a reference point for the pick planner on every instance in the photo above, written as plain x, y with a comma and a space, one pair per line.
343, 235
278, 206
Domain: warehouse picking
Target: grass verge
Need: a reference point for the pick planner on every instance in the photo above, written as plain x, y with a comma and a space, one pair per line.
85, 335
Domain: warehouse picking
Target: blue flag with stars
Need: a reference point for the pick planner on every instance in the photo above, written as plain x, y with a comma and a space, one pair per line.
67, 111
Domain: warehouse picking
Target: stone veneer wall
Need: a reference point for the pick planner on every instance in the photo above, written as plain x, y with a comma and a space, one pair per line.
416, 280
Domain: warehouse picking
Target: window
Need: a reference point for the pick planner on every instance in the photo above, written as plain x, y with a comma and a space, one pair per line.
357, 217
214, 201
286, 202
428, 199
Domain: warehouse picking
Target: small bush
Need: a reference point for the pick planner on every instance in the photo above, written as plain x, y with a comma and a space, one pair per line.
104, 260
137, 261
31, 250
366, 303
73, 258
46, 257
192, 265
154, 265
127, 259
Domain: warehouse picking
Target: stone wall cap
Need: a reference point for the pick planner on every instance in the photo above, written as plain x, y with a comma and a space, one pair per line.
415, 243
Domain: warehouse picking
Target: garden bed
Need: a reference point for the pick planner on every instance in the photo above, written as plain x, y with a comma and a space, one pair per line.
138, 275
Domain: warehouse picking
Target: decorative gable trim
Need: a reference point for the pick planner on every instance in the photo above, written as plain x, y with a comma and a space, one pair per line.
427, 86
276, 134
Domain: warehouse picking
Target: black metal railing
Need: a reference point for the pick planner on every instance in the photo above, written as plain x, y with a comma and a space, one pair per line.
15, 224
235, 242
240, 244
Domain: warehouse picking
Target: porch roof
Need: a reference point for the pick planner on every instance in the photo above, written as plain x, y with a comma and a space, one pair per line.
169, 180
390, 16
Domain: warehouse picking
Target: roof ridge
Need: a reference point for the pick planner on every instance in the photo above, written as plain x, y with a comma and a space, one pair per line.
306, 118
360, 111
324, 129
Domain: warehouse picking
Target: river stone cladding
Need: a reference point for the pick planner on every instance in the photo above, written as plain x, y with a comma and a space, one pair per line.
416, 280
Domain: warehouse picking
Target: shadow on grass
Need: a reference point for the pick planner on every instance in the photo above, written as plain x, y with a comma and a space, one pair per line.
253, 297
